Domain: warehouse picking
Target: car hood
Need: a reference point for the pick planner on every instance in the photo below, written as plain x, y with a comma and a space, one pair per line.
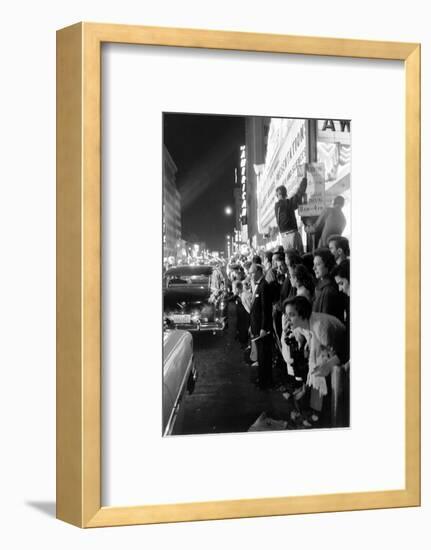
174, 342
178, 298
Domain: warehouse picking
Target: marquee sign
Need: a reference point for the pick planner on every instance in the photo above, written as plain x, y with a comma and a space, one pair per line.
334, 131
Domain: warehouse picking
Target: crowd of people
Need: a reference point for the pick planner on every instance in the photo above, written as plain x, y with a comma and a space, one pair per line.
293, 311
293, 317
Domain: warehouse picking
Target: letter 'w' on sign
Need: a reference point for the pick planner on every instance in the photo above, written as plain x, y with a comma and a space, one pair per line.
345, 124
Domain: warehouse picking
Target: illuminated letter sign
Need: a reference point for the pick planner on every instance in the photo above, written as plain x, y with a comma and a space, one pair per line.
328, 124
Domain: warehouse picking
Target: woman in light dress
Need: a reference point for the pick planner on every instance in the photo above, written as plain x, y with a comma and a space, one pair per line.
325, 342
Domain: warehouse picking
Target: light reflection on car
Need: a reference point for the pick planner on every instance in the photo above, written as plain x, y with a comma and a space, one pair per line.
179, 376
190, 303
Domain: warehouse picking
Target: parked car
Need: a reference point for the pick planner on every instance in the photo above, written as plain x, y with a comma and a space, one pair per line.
190, 303
179, 376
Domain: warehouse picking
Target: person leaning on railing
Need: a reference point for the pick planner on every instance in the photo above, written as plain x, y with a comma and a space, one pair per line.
326, 342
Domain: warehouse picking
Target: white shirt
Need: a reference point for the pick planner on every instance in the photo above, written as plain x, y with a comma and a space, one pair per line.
256, 284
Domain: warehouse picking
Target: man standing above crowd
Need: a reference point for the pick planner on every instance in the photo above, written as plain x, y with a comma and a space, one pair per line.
330, 222
286, 218
261, 324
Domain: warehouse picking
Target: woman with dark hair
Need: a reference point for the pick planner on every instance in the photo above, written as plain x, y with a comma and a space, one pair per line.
286, 291
341, 274
302, 281
307, 260
327, 299
285, 262
293, 258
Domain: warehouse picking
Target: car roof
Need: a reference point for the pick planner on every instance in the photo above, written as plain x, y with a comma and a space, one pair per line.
190, 270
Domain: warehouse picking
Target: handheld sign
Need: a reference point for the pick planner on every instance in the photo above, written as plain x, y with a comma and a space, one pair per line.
315, 189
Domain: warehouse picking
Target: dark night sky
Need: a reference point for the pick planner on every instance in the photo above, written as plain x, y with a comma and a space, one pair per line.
205, 149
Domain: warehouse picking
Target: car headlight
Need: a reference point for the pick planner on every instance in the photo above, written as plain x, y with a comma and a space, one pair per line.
196, 317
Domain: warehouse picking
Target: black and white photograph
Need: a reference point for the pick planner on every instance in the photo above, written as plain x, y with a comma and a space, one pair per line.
256, 273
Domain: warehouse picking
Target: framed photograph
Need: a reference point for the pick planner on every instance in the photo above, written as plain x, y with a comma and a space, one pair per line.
238, 275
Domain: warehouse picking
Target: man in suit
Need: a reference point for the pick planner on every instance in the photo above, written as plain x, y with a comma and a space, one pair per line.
261, 325
330, 222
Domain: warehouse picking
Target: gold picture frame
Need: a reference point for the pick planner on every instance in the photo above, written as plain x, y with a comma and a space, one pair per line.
79, 274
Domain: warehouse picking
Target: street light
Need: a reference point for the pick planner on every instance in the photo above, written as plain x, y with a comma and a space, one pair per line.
227, 210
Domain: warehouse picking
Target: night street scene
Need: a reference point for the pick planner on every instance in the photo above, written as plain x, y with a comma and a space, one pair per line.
256, 273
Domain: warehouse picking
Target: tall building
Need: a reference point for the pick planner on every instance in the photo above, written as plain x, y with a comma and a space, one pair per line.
237, 195
256, 136
171, 208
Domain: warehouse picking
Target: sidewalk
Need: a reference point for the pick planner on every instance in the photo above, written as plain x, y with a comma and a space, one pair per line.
225, 399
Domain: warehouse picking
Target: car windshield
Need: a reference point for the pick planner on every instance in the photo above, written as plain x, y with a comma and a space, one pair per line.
181, 280
188, 277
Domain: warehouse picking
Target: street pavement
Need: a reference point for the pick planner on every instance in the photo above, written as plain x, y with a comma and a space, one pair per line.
225, 399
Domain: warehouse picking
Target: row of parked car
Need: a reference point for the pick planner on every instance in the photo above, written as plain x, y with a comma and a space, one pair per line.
189, 306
